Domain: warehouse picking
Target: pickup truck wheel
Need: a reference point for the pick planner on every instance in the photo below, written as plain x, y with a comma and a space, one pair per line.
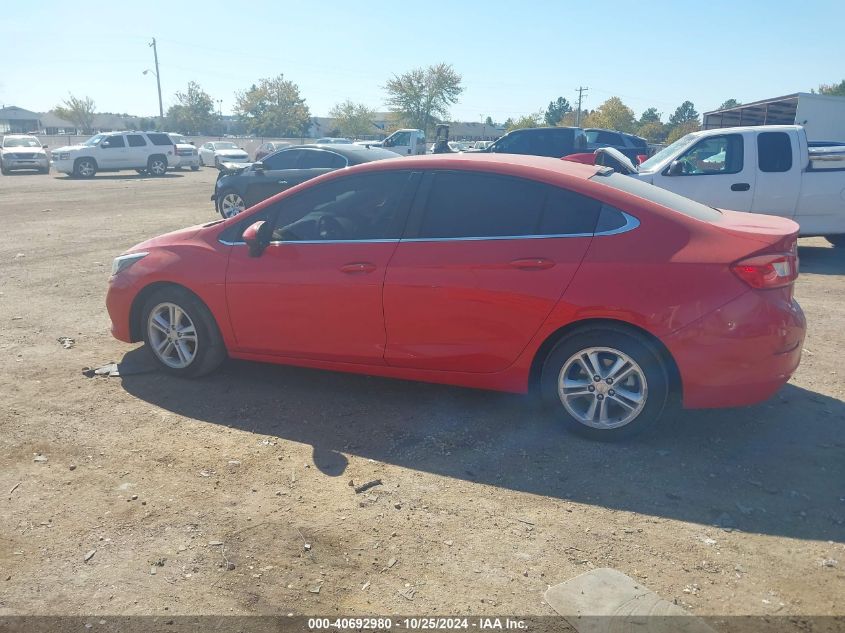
202, 163
837, 240
157, 166
194, 167
85, 168
230, 203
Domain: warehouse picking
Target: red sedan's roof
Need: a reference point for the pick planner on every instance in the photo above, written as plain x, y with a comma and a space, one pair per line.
551, 169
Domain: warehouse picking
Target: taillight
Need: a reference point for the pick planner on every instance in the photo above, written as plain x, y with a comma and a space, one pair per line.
774, 270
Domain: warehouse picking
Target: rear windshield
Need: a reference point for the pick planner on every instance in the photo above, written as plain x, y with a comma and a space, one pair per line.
663, 197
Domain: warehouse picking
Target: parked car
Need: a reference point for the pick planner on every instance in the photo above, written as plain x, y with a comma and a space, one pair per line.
238, 187
186, 152
148, 152
23, 151
482, 144
554, 142
630, 145
216, 152
329, 140
497, 272
408, 142
763, 169
265, 149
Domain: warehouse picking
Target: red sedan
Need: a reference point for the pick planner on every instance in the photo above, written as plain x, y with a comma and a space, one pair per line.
492, 271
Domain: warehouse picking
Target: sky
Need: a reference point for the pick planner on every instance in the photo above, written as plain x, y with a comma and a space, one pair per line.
514, 57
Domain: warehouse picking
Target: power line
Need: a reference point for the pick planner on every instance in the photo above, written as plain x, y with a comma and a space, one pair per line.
581, 91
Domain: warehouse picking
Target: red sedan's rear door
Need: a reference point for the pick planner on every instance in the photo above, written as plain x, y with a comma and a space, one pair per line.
485, 260
316, 291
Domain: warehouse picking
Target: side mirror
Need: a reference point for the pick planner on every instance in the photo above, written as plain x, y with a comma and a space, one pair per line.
259, 166
43, 147
256, 238
676, 168
387, 143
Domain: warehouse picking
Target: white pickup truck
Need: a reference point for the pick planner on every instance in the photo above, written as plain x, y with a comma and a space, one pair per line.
762, 169
405, 142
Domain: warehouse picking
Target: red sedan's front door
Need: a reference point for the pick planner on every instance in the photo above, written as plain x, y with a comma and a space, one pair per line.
316, 291
490, 258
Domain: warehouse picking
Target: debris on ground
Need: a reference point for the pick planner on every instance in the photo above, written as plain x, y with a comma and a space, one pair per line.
15, 487
367, 486
315, 589
66, 342
829, 562
40, 459
408, 593
89, 555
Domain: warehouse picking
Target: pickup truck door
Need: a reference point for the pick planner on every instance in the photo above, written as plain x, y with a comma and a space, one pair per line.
778, 174
719, 171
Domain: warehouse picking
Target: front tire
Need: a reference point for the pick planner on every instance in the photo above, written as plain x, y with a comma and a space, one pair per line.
230, 203
194, 167
85, 168
181, 334
606, 383
202, 163
838, 241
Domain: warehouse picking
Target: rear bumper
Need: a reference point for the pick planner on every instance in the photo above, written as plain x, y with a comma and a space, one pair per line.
742, 353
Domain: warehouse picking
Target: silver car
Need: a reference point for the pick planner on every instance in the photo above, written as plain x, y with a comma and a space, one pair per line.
22, 151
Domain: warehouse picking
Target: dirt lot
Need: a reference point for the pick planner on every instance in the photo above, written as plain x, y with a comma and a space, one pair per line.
484, 501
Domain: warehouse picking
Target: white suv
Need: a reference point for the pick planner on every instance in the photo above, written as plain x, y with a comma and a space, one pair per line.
185, 151
145, 152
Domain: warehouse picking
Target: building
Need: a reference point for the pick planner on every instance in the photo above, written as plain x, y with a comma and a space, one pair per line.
474, 131
823, 116
15, 120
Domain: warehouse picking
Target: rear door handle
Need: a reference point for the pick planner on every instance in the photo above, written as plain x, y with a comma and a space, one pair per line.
532, 263
740, 186
283, 182
358, 267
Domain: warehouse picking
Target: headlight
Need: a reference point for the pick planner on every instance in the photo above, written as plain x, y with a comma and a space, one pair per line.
64, 155
125, 261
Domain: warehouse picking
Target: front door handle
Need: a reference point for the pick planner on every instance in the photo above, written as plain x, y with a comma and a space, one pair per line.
532, 263
740, 186
283, 182
358, 267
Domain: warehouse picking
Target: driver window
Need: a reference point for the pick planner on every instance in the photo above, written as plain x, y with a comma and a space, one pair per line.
112, 142
402, 138
283, 160
366, 207
714, 155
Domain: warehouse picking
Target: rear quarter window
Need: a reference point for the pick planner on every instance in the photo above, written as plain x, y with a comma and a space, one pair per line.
655, 194
160, 139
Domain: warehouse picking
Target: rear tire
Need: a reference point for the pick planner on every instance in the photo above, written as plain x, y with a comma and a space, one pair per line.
202, 163
85, 168
157, 166
606, 383
194, 167
4, 171
181, 334
838, 241
230, 203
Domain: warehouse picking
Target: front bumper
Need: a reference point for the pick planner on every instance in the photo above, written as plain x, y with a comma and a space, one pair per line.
12, 164
742, 353
185, 161
121, 293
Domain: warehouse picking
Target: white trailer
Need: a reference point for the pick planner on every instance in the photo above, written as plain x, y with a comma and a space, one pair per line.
822, 116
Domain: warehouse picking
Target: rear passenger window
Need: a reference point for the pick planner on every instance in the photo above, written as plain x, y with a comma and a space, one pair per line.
160, 139
283, 160
135, 140
317, 159
568, 213
463, 205
774, 151
610, 219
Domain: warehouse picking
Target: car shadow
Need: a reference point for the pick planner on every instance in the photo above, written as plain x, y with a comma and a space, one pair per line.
122, 176
29, 172
777, 468
821, 260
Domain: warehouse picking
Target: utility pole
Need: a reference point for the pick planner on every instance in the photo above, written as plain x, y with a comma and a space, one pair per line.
158, 81
581, 91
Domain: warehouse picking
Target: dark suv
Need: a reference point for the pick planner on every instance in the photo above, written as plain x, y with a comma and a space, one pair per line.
630, 145
556, 142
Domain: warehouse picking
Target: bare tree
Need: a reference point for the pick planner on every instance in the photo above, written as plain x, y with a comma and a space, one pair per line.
77, 110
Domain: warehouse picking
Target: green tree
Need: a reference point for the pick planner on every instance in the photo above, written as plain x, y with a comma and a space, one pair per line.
528, 120
729, 103
79, 111
653, 131
681, 130
837, 90
194, 113
353, 119
651, 115
685, 113
489, 121
556, 111
274, 107
612, 115
422, 93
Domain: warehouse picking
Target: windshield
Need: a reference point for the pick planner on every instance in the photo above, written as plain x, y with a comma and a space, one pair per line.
21, 141
95, 140
672, 150
225, 146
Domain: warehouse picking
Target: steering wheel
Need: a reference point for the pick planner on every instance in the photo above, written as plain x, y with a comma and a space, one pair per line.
328, 228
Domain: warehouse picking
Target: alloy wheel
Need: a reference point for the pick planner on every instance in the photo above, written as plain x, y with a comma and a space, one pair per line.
172, 335
86, 168
158, 167
602, 387
231, 205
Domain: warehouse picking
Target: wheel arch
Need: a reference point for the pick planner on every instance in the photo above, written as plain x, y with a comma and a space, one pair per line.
675, 382
136, 326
